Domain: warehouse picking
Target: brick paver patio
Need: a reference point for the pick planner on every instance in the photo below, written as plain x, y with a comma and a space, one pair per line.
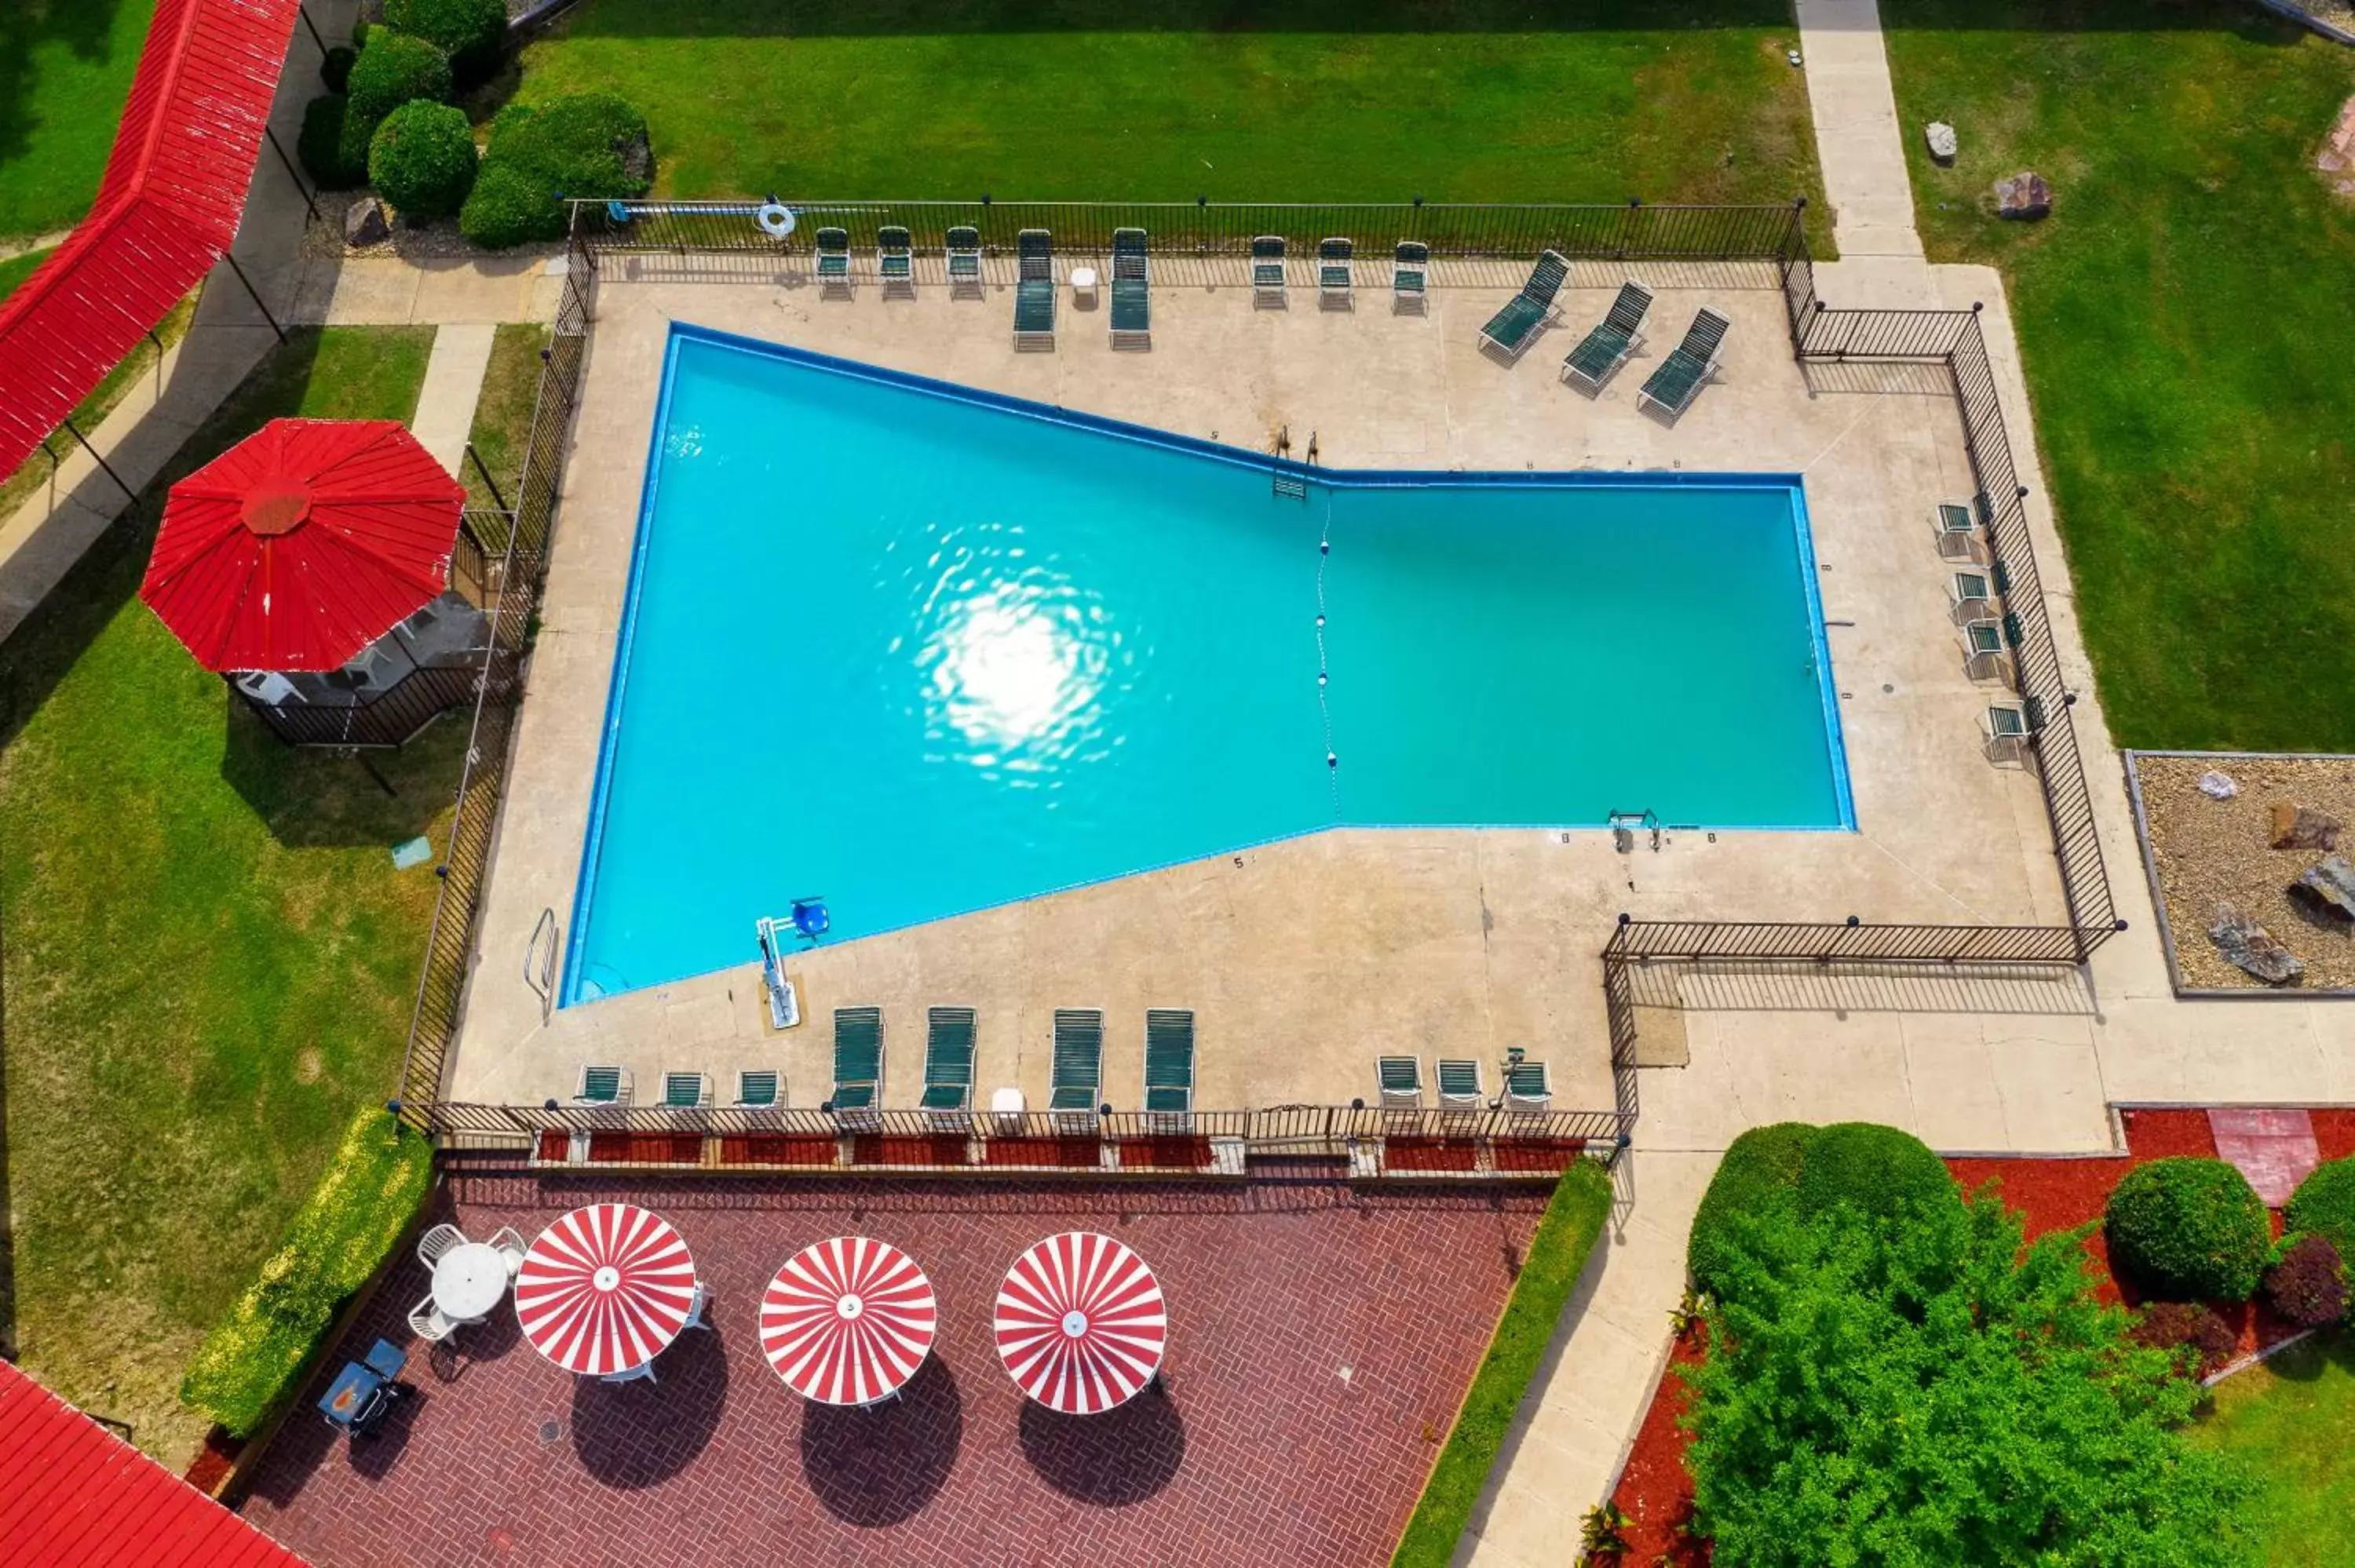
1321, 1337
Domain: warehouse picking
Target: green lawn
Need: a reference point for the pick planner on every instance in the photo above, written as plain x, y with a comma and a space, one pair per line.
502, 412
65, 69
1300, 101
2293, 1420
18, 268
2186, 320
209, 959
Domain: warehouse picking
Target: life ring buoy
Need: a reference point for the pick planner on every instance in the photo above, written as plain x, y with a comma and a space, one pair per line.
776, 218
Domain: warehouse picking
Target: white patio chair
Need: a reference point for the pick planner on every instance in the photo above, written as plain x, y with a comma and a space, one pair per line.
437, 1241
510, 1248
428, 1323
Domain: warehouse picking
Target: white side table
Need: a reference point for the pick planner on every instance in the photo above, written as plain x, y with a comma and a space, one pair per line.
468, 1281
1084, 284
1006, 1105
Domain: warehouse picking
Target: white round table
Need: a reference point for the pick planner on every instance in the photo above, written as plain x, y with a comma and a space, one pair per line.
1084, 282
468, 1281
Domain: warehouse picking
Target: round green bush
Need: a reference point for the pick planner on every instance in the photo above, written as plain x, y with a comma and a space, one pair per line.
421, 159
2189, 1229
336, 67
393, 69
508, 206
473, 33
581, 144
2324, 1203
1875, 1169
327, 147
1760, 1174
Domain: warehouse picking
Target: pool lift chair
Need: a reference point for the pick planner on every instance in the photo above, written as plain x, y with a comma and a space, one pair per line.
785, 1006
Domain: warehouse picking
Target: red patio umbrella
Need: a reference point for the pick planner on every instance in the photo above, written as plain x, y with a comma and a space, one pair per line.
604, 1289
1080, 1322
847, 1321
303, 544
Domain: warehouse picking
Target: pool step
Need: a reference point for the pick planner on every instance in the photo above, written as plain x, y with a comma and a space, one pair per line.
1290, 485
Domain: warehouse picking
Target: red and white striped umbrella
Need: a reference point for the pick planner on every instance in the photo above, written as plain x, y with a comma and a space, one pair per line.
847, 1321
1080, 1323
604, 1289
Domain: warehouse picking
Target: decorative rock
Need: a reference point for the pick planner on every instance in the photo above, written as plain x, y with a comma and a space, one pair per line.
2250, 946
2023, 196
637, 157
2329, 886
367, 223
2300, 826
1941, 138
2218, 786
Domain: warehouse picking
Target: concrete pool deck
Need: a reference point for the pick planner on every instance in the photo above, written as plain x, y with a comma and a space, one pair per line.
1304, 960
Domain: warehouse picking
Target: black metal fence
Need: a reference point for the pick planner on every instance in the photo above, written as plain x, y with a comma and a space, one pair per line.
510, 572
1774, 941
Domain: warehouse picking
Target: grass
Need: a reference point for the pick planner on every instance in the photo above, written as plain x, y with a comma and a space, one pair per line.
208, 958
65, 71
502, 412
1557, 1255
1685, 101
2293, 1420
18, 268
2184, 318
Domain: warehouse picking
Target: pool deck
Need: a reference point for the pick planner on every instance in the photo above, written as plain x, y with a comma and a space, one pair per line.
1305, 959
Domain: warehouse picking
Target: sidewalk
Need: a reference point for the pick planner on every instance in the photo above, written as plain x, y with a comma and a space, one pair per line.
1860, 145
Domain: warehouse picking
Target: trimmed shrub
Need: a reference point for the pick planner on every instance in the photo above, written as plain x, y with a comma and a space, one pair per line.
2189, 1229
473, 33
1759, 1175
336, 158
335, 69
1877, 1171
394, 69
421, 159
2206, 1339
345, 1229
581, 144
2324, 1204
2305, 1283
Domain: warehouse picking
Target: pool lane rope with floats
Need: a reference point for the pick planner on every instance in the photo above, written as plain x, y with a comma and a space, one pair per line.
1323, 675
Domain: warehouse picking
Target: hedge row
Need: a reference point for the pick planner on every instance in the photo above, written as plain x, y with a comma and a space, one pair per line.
343, 1232
1556, 1257
1794, 1167
580, 144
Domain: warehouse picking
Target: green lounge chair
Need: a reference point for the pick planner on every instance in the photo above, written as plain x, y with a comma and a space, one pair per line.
1603, 351
1459, 1085
1411, 276
1526, 1088
1034, 290
1515, 327
756, 1089
1402, 1081
894, 262
1079, 1060
1168, 1059
833, 260
1337, 279
857, 1057
1267, 269
602, 1086
1691, 363
686, 1091
964, 247
948, 1060
1132, 297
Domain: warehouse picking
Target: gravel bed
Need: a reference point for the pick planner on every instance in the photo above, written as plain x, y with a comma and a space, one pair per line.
2207, 851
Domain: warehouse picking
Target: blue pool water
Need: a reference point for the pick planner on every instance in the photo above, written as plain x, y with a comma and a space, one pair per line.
919, 651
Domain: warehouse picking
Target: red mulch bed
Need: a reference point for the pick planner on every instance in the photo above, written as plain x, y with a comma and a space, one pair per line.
778, 1148
214, 1461
1431, 1154
1549, 1155
1654, 1492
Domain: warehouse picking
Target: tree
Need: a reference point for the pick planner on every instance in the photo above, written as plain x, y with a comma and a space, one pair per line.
1916, 1390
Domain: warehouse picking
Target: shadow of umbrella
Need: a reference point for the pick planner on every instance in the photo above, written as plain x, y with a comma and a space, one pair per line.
1124, 1455
881, 1466
634, 1434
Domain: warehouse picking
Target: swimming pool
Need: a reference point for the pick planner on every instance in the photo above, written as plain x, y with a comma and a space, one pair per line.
922, 649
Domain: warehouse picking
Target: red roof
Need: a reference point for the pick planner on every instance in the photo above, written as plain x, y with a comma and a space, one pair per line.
166, 210
303, 544
72, 1493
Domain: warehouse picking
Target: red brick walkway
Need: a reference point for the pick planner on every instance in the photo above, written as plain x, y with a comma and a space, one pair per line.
1320, 1338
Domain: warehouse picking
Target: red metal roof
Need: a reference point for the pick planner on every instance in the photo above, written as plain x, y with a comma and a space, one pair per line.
72, 1493
303, 544
166, 210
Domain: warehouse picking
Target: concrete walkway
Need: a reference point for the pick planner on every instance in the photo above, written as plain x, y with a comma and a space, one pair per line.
454, 385
1857, 133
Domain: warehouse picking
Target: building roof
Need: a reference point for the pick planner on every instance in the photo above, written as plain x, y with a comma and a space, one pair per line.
166, 210
73, 1495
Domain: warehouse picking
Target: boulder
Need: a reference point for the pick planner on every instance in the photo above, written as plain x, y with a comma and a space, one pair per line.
1941, 138
2250, 947
2023, 196
2328, 884
2303, 828
637, 157
366, 223
2218, 786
